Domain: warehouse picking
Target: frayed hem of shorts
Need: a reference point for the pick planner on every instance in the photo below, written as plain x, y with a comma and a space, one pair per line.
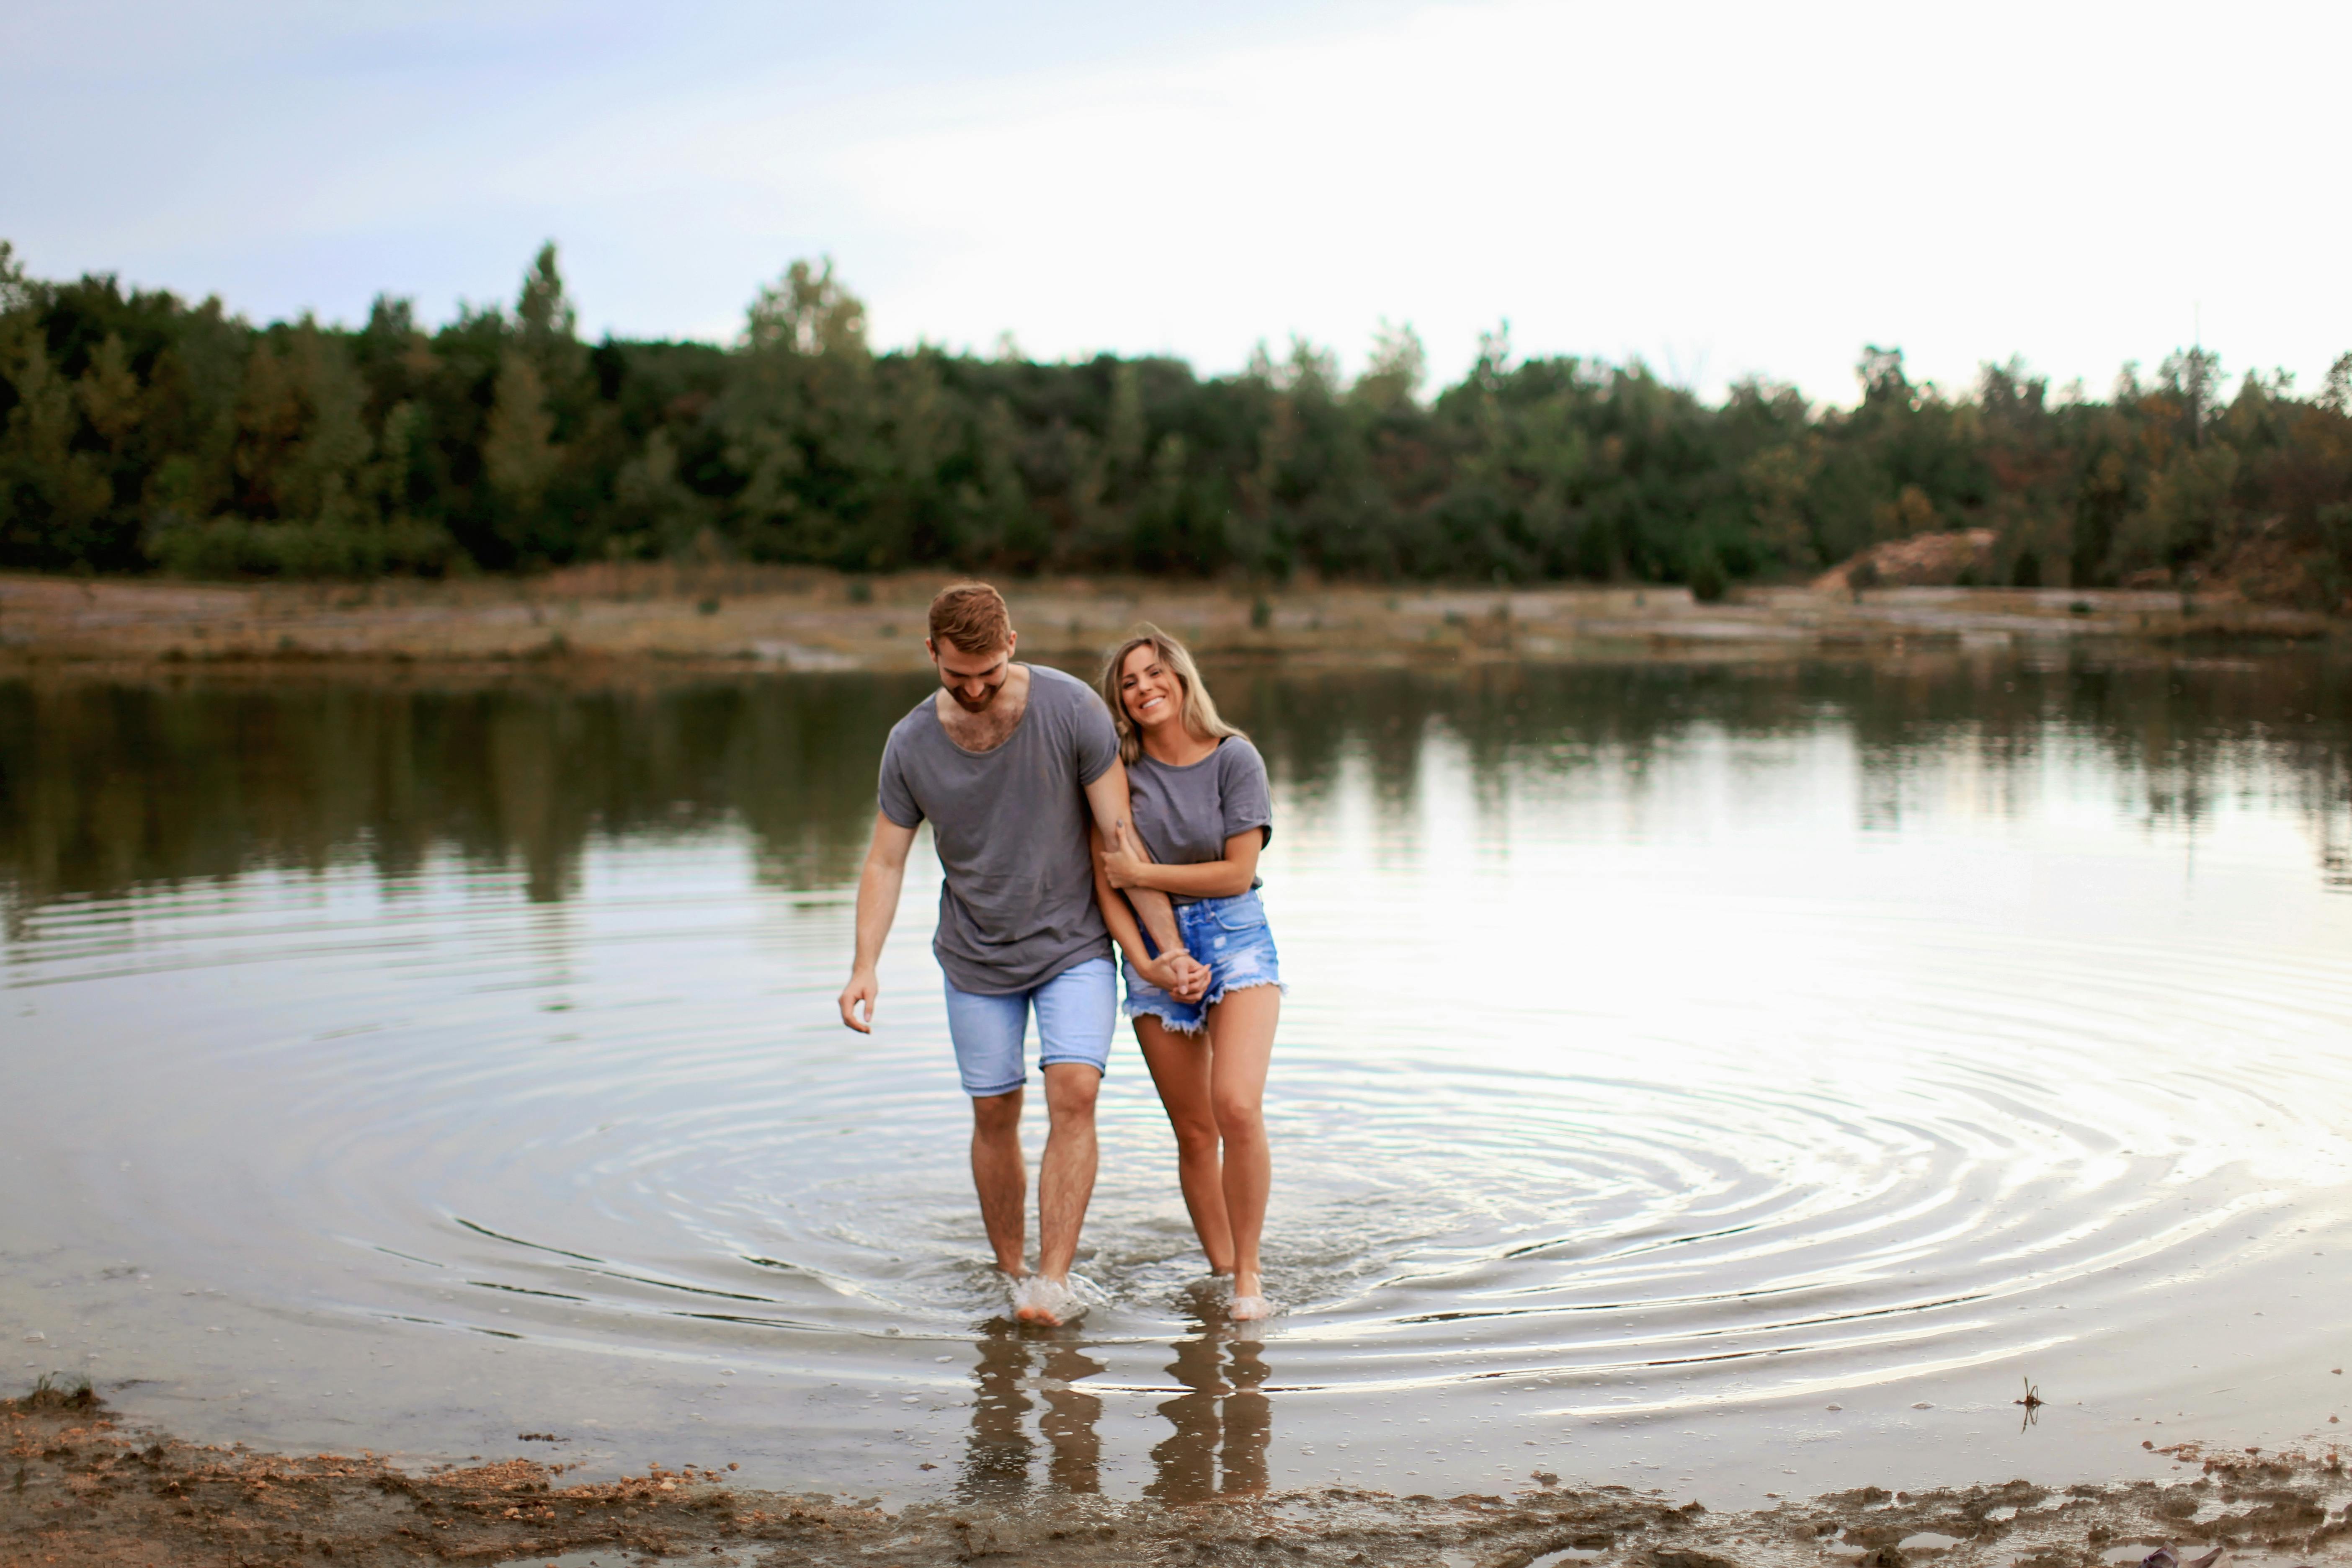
1194, 1027
1202, 1022
1225, 991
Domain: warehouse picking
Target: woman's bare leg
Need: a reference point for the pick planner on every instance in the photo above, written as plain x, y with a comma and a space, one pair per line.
1179, 1070
1241, 1042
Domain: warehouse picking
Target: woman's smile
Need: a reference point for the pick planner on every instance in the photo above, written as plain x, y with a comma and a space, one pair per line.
1149, 693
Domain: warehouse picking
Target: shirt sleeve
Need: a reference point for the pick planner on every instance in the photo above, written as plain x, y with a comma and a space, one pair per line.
1093, 741
898, 801
1242, 789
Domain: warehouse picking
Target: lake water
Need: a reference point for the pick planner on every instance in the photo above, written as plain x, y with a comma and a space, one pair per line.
1724, 1080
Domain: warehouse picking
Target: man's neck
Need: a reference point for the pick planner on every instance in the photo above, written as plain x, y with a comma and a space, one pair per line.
992, 726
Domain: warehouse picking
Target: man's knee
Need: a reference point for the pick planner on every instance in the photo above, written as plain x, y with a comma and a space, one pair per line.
1071, 1089
993, 1115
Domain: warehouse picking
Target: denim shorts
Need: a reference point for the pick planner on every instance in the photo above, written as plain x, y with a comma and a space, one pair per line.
1077, 1011
1229, 935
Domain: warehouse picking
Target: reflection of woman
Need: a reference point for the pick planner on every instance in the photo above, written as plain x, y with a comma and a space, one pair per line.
1198, 792
1222, 1422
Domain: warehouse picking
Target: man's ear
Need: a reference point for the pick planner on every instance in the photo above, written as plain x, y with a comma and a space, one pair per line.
931, 649
1011, 639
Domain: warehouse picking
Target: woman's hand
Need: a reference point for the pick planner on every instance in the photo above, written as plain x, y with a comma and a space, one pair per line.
1179, 975
1122, 867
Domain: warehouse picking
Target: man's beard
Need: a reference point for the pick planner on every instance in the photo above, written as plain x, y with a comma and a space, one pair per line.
975, 704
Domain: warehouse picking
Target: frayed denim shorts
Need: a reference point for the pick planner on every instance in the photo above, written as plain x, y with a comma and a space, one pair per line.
1229, 935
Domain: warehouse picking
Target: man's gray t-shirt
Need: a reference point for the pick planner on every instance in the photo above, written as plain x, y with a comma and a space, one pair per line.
1185, 815
1017, 906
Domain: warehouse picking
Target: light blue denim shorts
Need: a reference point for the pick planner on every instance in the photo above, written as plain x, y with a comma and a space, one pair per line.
1229, 935
1078, 1011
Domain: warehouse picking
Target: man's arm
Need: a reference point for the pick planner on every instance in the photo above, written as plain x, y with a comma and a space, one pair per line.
1107, 798
878, 905
1119, 916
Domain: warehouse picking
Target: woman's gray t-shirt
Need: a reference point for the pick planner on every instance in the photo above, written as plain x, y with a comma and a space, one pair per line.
1185, 815
1017, 905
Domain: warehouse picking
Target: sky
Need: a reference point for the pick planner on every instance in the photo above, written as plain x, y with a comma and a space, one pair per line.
1718, 190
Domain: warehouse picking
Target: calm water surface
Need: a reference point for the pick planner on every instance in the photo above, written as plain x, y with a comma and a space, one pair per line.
1727, 1080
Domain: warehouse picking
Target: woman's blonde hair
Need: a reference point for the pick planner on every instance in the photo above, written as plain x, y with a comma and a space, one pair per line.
1199, 710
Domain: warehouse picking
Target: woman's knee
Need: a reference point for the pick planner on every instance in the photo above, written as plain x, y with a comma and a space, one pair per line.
1241, 1118
1196, 1136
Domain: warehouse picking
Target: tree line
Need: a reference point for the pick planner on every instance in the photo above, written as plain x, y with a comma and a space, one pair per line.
139, 432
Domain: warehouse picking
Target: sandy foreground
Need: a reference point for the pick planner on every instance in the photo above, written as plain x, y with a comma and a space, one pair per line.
740, 617
83, 1487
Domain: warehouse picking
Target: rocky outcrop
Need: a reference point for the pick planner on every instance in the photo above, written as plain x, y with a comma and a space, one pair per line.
1922, 561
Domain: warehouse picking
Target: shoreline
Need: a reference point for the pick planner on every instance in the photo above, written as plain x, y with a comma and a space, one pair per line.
87, 1486
592, 620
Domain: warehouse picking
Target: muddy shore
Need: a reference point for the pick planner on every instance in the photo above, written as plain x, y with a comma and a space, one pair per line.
592, 620
85, 1488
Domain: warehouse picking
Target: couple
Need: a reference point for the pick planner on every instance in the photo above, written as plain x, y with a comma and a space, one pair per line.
1063, 822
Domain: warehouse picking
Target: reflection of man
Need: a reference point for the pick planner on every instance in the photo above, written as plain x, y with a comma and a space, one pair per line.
1008, 761
999, 1452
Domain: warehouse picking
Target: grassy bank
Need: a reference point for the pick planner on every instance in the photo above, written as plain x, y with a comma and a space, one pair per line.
750, 618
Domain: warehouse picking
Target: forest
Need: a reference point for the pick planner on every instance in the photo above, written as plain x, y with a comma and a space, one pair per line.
142, 432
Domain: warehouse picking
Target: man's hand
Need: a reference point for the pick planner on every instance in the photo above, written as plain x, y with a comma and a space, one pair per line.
862, 988
878, 901
1188, 977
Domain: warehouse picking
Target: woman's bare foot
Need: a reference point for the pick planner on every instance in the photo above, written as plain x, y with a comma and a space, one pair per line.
1249, 1301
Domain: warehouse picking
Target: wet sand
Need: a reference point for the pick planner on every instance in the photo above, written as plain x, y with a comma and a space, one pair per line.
86, 1488
804, 619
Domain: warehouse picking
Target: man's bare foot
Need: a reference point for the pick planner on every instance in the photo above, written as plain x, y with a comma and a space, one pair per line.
1043, 1300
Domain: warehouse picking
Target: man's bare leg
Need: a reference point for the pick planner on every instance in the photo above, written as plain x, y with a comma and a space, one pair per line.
1000, 1176
1065, 1178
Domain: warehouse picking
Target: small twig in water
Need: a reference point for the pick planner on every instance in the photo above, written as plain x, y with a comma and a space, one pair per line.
2032, 1400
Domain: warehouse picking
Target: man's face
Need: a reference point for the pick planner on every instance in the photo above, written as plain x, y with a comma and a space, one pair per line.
973, 679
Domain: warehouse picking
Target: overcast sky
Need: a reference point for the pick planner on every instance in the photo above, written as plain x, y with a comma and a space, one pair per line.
1719, 189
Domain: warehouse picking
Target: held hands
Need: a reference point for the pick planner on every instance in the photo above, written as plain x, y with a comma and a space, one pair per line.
862, 988
1179, 973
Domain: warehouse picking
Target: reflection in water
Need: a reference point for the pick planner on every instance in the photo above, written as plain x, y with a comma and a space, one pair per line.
1222, 1420
998, 1453
106, 787
1907, 1028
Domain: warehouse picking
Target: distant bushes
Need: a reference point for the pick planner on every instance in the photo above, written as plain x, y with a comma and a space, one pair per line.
139, 432
235, 547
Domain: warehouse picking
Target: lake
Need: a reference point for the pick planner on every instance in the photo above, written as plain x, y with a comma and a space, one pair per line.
1727, 1079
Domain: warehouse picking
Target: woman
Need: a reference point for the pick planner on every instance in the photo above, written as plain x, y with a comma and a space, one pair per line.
1199, 798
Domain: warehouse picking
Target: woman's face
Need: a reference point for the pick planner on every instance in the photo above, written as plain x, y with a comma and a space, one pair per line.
1148, 688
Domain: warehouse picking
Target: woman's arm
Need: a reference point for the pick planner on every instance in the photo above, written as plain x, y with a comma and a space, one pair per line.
1124, 927
1107, 800
1226, 879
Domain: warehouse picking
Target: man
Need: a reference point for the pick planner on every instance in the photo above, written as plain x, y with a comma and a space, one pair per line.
1008, 761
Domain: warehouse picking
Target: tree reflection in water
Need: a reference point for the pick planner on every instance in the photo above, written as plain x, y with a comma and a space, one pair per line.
1223, 1418
110, 786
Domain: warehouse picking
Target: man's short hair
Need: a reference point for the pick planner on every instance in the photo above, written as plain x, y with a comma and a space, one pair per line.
972, 616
